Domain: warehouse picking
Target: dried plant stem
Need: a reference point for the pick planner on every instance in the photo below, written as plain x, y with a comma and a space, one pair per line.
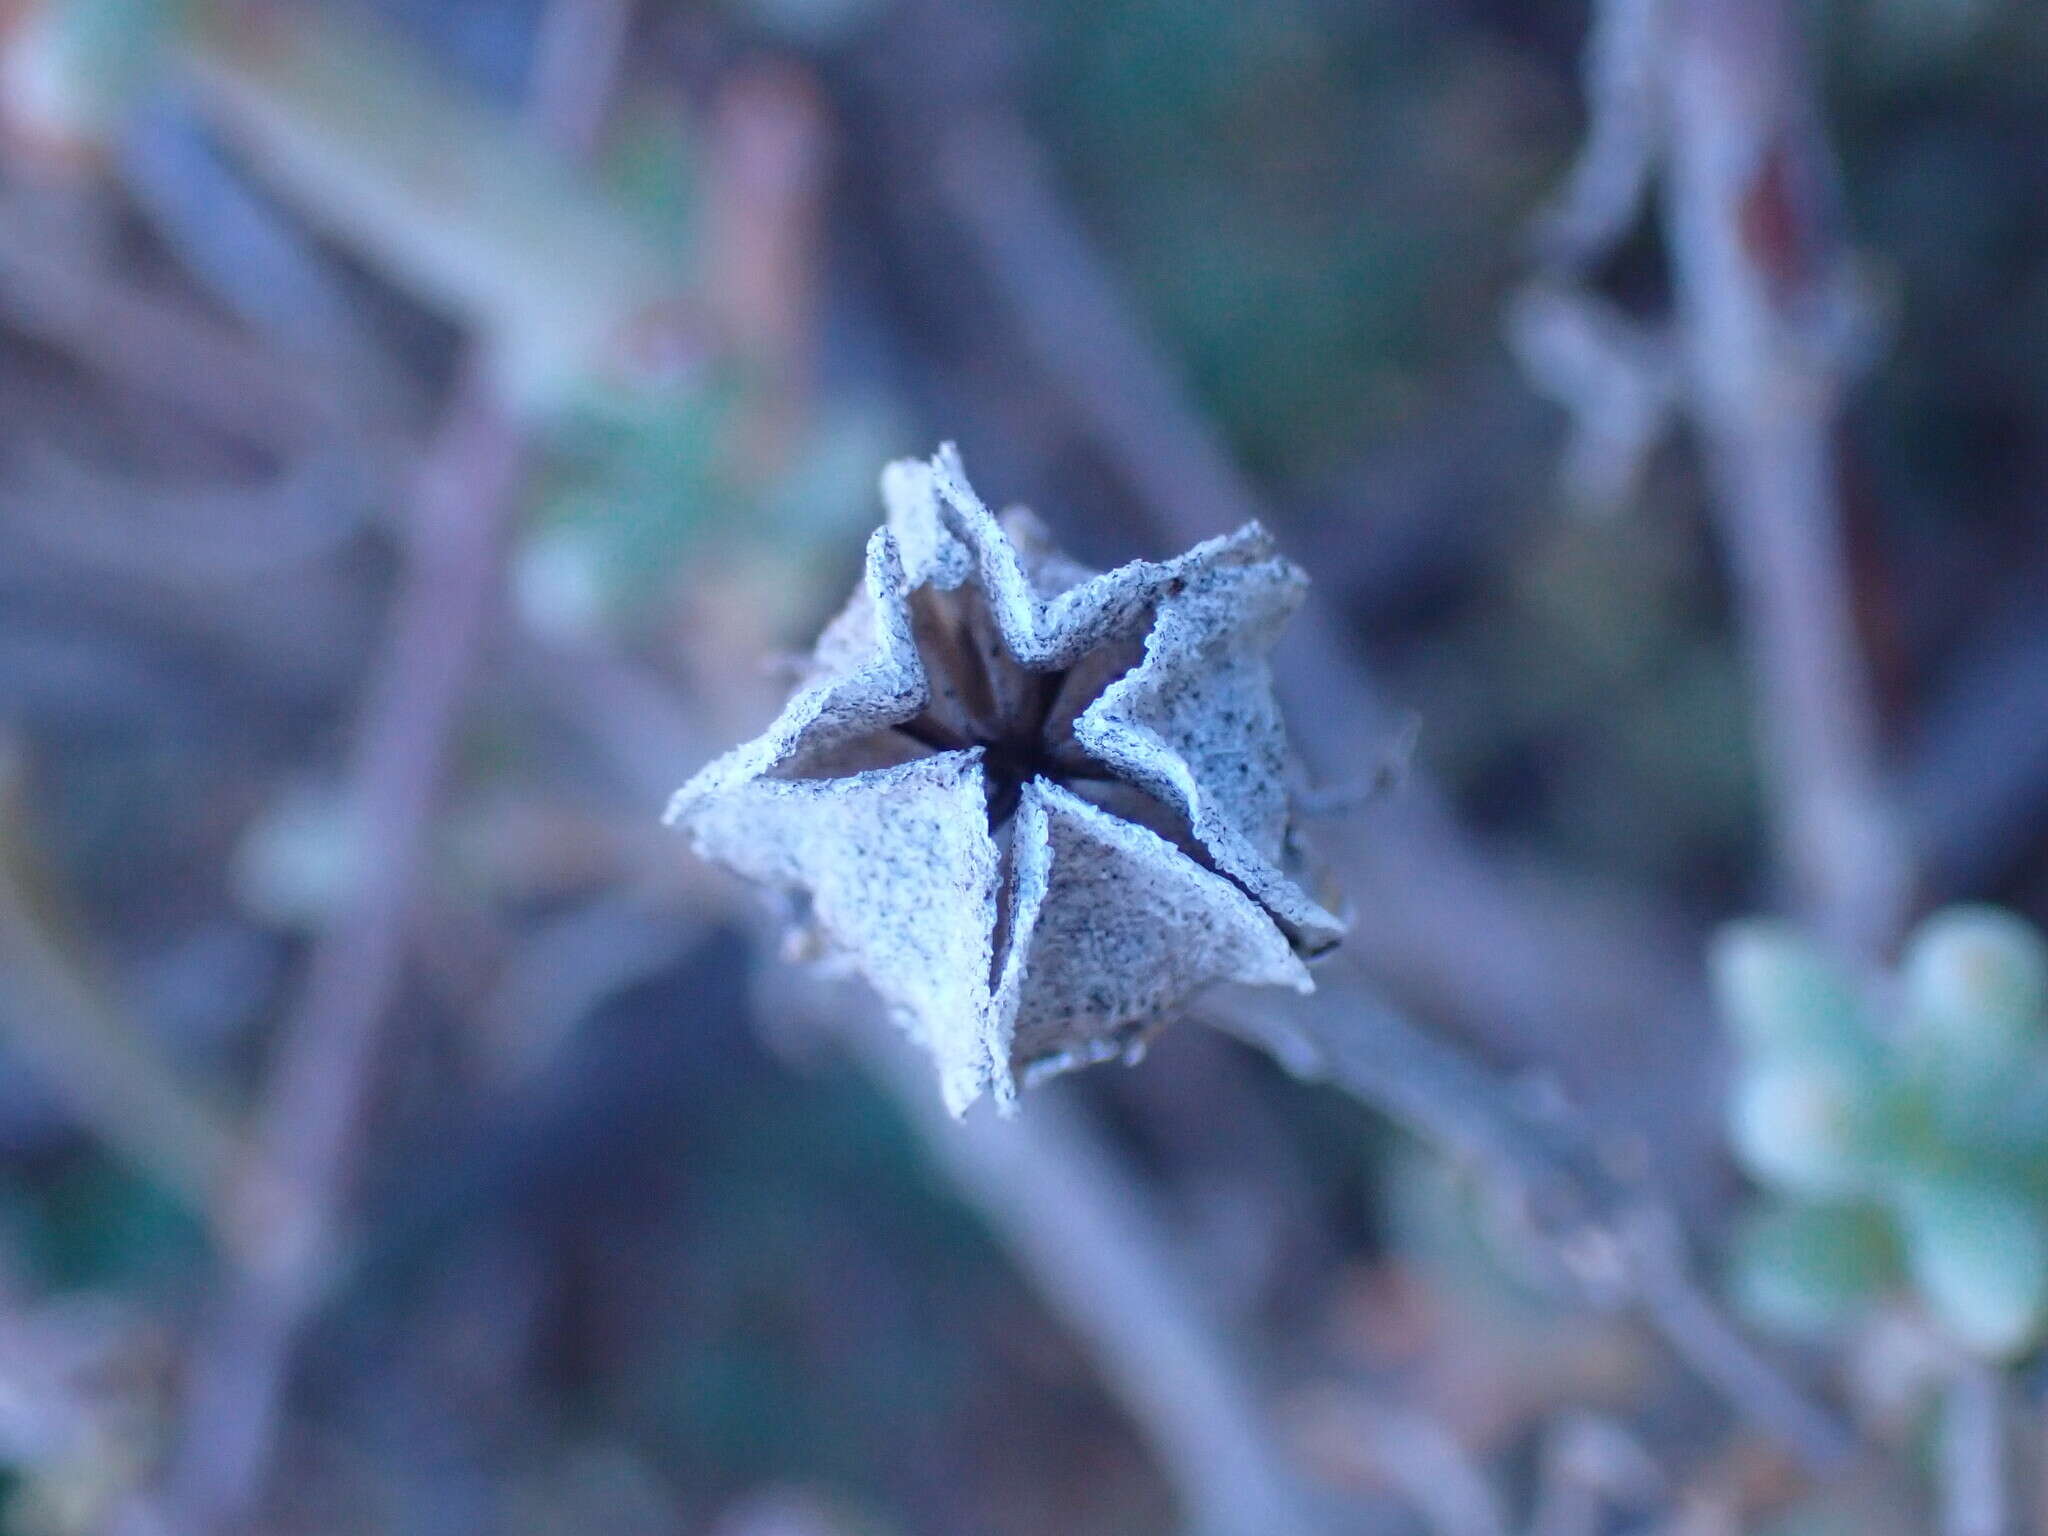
88, 1055
1609, 1232
251, 258
1084, 1232
1623, 75
554, 280
1972, 1454
1766, 322
1700, 1332
289, 1205
1715, 94
1712, 99
289, 1208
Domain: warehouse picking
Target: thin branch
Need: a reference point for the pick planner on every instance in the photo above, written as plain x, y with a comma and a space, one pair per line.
552, 277
251, 259
1769, 327
88, 1054
1611, 1234
1713, 97
1701, 1333
1081, 1227
288, 1212
1615, 379
1625, 123
1972, 1453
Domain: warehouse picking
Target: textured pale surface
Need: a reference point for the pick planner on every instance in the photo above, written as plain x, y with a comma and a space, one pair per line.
911, 789
901, 873
1125, 927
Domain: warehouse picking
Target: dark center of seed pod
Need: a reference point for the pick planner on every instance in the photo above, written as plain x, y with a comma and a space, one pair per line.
982, 696
1022, 720
1014, 759
1017, 744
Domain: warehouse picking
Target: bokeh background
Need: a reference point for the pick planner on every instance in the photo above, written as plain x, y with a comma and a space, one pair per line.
425, 423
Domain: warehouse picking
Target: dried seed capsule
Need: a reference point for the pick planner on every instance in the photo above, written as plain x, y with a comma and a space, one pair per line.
1037, 807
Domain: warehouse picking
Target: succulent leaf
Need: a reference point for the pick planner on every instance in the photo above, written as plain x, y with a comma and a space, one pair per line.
1979, 1256
1779, 991
1976, 982
1806, 1268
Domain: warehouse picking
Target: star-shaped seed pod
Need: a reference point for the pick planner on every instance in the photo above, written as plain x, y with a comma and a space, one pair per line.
1035, 806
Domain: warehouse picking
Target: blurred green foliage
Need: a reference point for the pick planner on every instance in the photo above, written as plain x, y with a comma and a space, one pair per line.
1306, 200
93, 1223
1901, 1139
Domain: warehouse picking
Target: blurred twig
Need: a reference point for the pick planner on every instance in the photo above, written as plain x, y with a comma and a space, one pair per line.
1088, 1236
556, 283
1615, 378
209, 536
1771, 314
251, 256
1614, 1237
61, 1028
1617, 381
1714, 95
311, 1124
1770, 326
1972, 1453
312, 1121
1605, 188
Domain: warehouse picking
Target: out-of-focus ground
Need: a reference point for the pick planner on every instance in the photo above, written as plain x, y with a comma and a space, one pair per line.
421, 430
